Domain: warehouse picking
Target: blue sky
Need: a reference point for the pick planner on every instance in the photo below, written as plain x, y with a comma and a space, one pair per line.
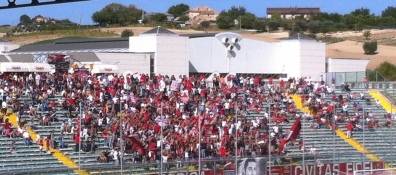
84, 10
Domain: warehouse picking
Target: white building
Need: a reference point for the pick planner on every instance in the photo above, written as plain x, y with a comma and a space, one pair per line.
169, 50
160, 51
296, 57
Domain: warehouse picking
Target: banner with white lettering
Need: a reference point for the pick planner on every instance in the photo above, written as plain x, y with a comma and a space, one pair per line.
250, 166
175, 86
325, 169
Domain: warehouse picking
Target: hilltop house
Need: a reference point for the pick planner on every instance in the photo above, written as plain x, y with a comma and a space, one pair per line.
292, 12
40, 18
201, 13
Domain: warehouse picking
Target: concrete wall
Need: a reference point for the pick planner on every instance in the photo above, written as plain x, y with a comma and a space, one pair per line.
175, 55
142, 43
346, 65
127, 61
312, 59
289, 58
171, 56
208, 54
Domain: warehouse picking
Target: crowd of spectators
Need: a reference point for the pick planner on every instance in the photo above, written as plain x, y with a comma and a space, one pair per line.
134, 112
182, 104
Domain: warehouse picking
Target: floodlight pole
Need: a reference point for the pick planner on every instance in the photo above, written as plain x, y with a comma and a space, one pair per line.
303, 147
236, 139
199, 144
79, 140
393, 128
121, 140
334, 130
269, 140
364, 136
162, 138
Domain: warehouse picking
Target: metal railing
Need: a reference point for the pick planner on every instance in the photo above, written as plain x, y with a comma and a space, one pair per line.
291, 164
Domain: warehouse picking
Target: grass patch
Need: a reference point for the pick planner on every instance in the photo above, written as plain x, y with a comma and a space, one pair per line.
51, 41
330, 40
74, 32
391, 44
5, 29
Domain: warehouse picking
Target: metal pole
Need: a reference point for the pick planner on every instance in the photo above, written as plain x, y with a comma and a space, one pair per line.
364, 136
303, 147
121, 140
269, 140
79, 140
334, 130
162, 124
199, 144
236, 141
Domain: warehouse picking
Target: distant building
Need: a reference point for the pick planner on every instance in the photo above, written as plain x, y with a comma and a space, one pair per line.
201, 13
292, 12
40, 18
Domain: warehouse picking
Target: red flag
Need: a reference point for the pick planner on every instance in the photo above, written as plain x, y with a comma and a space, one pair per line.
282, 144
295, 130
136, 142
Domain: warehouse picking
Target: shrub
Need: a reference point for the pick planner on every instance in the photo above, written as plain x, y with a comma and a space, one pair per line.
370, 47
127, 33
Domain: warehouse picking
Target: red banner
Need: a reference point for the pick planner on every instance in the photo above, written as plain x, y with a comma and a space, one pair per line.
208, 172
324, 169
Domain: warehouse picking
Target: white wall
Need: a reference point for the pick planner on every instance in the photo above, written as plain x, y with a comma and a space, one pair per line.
312, 59
208, 54
289, 58
142, 43
127, 61
171, 55
346, 65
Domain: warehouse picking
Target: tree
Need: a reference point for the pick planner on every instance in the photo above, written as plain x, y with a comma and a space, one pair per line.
184, 18
117, 14
276, 16
295, 30
361, 11
387, 21
367, 34
25, 19
370, 47
349, 20
314, 26
127, 33
224, 21
260, 25
335, 17
158, 17
390, 11
322, 16
301, 24
236, 12
205, 24
340, 26
101, 18
178, 10
247, 20
273, 24
327, 26
286, 24
387, 70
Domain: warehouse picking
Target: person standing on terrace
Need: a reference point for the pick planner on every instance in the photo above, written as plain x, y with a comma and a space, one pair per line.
365, 81
349, 130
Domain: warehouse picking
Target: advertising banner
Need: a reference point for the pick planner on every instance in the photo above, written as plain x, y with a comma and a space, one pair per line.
258, 166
